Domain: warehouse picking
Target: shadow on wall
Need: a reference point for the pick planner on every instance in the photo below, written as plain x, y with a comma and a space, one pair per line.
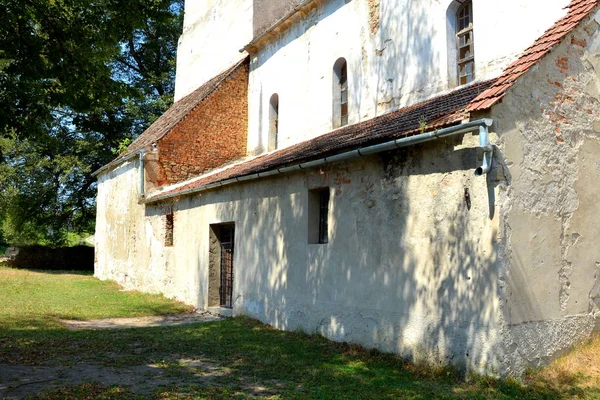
405, 63
409, 268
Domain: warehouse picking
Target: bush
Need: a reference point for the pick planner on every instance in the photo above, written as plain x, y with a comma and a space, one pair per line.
78, 258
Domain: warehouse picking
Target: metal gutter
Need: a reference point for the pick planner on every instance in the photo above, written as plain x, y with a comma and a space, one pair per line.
118, 161
482, 125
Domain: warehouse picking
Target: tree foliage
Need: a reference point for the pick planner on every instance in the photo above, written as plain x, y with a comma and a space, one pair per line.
77, 79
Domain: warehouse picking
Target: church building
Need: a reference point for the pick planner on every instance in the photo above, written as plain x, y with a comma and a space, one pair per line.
415, 176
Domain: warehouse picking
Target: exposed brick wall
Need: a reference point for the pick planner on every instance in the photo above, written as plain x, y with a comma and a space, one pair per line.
212, 135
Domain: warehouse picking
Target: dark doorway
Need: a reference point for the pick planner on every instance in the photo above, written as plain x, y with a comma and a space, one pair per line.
226, 288
220, 285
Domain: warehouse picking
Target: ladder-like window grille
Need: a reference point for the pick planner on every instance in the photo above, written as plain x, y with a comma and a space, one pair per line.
344, 95
465, 43
273, 122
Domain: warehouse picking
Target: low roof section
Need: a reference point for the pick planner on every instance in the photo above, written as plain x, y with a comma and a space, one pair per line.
173, 116
439, 112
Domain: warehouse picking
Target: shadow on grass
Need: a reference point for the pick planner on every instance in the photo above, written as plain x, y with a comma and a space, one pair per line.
293, 365
49, 271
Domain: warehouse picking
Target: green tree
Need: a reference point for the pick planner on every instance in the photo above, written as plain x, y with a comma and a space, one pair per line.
77, 79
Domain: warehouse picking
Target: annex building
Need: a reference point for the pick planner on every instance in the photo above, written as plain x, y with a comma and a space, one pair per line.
421, 177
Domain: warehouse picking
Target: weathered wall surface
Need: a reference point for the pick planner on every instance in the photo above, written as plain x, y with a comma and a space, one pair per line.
268, 12
130, 245
213, 33
550, 140
397, 54
212, 135
409, 267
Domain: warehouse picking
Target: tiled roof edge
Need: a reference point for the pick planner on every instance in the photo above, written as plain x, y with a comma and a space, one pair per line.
217, 81
578, 11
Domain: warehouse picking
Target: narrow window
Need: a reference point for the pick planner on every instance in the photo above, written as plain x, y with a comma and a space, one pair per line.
340, 93
465, 44
318, 216
169, 225
273, 121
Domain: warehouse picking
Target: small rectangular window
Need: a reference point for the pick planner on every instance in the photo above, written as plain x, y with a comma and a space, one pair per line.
169, 225
318, 216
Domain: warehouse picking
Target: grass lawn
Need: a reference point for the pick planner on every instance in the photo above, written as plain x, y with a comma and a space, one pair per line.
237, 358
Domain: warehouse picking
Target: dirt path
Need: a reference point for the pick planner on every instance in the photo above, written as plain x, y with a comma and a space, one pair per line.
140, 322
22, 381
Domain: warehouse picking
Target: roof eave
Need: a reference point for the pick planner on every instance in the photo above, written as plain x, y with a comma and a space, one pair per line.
118, 161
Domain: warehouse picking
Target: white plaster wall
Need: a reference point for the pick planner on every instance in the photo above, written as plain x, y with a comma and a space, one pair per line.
214, 32
408, 268
549, 141
130, 242
403, 61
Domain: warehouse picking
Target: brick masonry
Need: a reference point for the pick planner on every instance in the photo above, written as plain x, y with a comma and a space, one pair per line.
210, 136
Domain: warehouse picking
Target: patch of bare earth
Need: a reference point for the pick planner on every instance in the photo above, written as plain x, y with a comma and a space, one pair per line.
140, 322
22, 381
19, 381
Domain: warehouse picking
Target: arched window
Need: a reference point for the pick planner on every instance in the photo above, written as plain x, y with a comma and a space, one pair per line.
465, 43
340, 93
273, 121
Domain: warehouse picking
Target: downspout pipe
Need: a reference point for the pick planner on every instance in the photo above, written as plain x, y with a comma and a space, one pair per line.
482, 125
142, 175
488, 152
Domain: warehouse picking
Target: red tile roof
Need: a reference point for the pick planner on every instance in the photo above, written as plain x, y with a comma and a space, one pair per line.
438, 112
178, 111
578, 10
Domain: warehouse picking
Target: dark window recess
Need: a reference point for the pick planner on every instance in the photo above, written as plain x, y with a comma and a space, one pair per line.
273, 122
340, 93
323, 215
169, 225
465, 44
318, 215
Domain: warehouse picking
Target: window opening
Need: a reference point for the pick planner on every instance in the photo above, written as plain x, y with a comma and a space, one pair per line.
465, 43
323, 215
273, 122
169, 225
340, 93
318, 216
344, 95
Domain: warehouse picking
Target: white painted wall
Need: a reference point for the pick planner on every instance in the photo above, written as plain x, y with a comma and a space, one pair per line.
408, 268
214, 31
504, 286
404, 61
